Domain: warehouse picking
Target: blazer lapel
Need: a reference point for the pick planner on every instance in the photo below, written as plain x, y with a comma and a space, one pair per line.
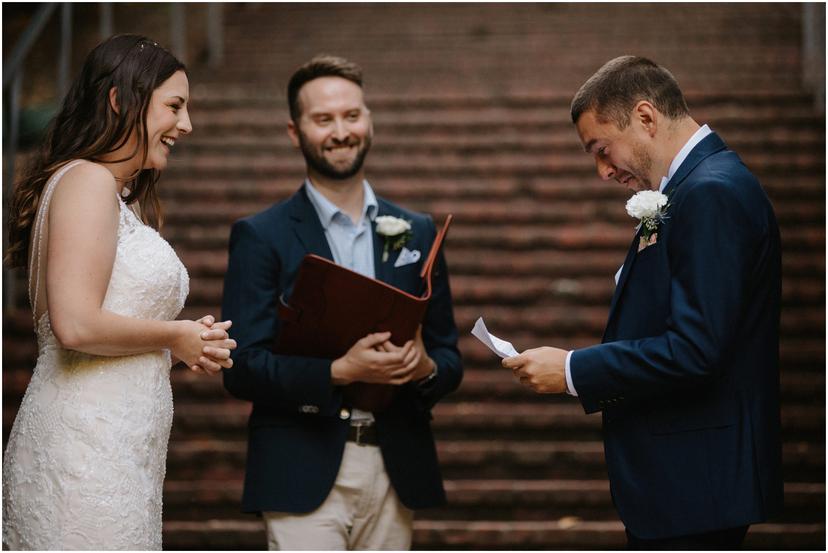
308, 228
708, 146
382, 270
622, 279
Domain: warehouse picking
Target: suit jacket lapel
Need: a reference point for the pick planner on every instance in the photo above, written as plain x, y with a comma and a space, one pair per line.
622, 279
382, 271
308, 228
708, 146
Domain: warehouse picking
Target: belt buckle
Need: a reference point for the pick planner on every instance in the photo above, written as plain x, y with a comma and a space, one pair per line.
361, 432
358, 439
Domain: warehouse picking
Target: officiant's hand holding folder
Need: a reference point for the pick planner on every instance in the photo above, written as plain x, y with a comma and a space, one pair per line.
332, 307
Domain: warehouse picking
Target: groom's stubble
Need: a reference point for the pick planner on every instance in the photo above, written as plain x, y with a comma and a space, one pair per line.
641, 165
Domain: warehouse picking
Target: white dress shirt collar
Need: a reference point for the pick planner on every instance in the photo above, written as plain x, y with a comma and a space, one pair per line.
327, 210
697, 137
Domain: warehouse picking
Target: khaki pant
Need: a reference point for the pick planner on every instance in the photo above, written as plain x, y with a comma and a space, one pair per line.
361, 512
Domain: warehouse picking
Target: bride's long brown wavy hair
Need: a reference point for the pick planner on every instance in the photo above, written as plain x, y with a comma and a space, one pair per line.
87, 127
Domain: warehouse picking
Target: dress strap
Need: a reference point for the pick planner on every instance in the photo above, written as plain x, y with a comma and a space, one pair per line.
37, 234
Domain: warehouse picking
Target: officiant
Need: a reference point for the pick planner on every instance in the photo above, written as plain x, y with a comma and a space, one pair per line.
324, 473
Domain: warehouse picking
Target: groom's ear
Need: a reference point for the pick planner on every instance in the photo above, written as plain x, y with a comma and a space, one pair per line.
646, 116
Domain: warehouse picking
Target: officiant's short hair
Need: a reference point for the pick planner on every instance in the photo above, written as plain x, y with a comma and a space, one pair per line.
322, 65
619, 84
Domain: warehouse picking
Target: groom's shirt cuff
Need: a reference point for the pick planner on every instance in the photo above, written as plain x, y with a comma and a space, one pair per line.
570, 388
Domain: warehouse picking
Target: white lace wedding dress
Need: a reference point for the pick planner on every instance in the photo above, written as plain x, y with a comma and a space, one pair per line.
85, 462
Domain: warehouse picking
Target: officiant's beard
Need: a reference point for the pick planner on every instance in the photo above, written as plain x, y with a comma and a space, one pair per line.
316, 161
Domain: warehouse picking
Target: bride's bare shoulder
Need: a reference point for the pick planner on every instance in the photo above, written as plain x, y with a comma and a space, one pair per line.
91, 173
87, 182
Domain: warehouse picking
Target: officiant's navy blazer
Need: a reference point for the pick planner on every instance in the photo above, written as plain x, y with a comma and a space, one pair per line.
687, 375
299, 423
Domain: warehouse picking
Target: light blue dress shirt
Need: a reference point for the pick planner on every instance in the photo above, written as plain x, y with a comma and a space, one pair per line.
351, 242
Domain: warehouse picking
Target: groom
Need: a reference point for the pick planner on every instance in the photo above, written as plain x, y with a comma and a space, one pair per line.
324, 474
687, 375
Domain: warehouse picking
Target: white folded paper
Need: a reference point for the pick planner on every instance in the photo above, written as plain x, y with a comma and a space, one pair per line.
500, 347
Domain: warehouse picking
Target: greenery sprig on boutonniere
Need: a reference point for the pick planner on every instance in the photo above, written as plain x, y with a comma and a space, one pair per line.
650, 208
395, 231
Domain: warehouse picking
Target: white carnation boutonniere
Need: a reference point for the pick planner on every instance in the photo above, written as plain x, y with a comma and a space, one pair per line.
649, 207
395, 231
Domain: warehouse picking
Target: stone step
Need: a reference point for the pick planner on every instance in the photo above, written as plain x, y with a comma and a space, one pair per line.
802, 361
215, 458
420, 164
224, 95
567, 420
538, 305
248, 534
553, 307
483, 384
274, 141
560, 297
544, 307
489, 212
584, 534
803, 270
468, 500
560, 306
245, 534
536, 238
796, 352
503, 133
582, 499
559, 418
480, 500
484, 380
447, 144
241, 117
448, 192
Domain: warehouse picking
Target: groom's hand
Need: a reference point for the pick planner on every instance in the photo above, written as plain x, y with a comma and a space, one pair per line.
542, 369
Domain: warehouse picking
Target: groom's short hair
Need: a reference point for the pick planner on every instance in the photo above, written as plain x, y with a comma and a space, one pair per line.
613, 91
322, 65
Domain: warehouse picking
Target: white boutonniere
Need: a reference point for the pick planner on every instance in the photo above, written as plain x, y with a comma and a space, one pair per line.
395, 231
650, 208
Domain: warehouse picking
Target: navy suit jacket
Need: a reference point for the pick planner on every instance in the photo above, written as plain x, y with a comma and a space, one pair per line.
687, 375
299, 423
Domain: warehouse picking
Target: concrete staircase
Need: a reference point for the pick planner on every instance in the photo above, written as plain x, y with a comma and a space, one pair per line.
471, 116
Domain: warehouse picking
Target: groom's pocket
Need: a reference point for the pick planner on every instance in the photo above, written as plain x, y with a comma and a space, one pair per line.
694, 414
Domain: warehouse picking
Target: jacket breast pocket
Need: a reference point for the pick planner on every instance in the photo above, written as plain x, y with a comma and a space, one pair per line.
650, 267
648, 256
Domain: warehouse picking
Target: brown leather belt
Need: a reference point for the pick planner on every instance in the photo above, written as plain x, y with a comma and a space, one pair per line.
365, 434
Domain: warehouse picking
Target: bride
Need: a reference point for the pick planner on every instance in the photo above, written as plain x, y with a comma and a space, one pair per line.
84, 466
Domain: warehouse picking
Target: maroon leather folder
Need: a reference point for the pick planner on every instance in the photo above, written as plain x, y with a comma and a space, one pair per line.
332, 307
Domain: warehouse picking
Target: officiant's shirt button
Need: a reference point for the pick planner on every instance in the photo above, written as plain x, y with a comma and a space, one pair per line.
344, 414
